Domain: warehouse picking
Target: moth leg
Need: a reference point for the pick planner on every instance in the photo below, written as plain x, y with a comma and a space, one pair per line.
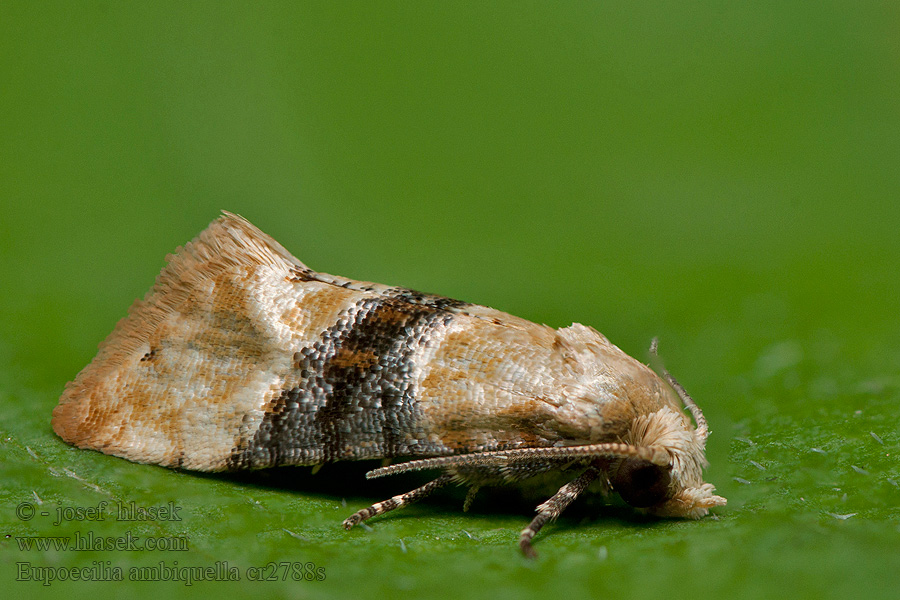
552, 508
470, 497
397, 501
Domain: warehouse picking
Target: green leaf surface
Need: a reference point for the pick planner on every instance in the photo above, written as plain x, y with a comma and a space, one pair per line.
720, 175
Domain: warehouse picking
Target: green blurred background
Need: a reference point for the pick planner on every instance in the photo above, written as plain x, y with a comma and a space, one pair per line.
722, 175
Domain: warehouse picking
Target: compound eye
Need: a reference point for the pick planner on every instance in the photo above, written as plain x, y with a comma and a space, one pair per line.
641, 483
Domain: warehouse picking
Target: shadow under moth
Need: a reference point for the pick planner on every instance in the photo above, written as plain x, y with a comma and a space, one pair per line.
241, 357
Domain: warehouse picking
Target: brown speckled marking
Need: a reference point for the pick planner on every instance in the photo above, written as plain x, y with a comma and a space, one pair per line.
353, 395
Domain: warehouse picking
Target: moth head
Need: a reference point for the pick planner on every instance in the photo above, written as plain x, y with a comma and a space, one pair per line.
672, 486
658, 464
671, 431
641, 483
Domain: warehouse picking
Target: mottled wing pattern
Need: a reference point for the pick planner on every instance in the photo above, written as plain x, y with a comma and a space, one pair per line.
242, 357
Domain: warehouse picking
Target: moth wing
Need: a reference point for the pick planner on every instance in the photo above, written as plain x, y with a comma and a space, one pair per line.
195, 362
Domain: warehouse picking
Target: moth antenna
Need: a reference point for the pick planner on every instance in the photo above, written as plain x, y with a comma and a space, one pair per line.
702, 429
502, 458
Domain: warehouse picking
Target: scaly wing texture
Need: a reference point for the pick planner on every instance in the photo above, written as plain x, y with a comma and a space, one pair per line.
242, 357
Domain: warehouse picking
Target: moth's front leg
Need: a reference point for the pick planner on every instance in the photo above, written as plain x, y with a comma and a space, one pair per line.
397, 501
552, 508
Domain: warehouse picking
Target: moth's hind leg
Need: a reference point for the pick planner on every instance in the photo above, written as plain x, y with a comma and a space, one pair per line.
552, 508
397, 501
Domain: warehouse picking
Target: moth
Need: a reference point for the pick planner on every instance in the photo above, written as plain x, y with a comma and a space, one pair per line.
242, 357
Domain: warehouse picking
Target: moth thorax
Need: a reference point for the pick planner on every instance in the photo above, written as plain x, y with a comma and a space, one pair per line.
641, 483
